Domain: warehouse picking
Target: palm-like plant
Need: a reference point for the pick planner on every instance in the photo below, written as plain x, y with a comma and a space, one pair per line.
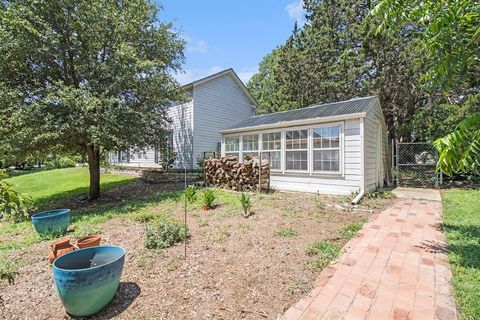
246, 205
459, 151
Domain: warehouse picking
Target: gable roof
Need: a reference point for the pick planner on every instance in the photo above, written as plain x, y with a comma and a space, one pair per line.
354, 108
222, 73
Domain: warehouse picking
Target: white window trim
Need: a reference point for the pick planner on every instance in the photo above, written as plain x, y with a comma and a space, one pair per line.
260, 133
283, 149
341, 170
293, 150
224, 149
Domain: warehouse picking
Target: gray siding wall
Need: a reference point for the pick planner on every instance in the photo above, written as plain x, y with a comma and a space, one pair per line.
218, 104
374, 119
182, 127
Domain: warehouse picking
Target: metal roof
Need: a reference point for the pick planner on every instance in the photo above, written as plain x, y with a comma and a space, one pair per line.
335, 109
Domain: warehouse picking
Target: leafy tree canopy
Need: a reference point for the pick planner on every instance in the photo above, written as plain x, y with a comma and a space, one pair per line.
86, 76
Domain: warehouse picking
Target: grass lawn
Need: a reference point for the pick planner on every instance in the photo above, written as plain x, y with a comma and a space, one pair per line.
50, 185
461, 209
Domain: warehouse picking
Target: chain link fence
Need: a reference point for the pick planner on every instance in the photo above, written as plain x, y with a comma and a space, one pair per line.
415, 165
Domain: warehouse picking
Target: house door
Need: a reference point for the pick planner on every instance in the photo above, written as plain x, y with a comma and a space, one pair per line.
379, 161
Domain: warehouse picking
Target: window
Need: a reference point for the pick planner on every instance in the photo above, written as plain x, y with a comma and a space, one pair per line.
250, 145
326, 149
296, 152
272, 143
232, 146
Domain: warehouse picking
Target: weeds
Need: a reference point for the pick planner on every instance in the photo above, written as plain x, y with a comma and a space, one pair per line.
350, 230
286, 233
243, 227
297, 286
325, 252
172, 265
164, 233
289, 212
222, 235
8, 270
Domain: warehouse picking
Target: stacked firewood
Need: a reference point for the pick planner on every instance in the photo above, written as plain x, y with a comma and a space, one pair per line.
229, 173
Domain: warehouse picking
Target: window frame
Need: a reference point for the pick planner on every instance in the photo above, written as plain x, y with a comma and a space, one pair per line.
285, 130
235, 153
341, 153
280, 151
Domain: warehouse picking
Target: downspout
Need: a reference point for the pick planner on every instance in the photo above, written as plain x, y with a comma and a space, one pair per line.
360, 195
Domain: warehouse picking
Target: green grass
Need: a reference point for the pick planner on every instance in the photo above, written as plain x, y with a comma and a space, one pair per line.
47, 186
286, 233
324, 251
461, 214
350, 230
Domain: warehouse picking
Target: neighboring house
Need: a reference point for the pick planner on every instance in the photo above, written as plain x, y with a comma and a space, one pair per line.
216, 102
335, 148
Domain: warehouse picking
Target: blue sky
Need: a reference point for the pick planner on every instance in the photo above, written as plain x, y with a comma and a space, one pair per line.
223, 34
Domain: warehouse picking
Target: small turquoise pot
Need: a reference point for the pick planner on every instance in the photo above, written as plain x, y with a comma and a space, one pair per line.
86, 280
53, 222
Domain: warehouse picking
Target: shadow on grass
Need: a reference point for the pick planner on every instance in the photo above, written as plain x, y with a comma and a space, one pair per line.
47, 202
464, 244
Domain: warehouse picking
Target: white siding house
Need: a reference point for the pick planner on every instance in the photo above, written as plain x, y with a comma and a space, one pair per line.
217, 102
336, 148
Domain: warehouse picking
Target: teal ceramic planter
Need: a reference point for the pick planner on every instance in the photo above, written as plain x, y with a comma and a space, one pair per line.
53, 222
86, 280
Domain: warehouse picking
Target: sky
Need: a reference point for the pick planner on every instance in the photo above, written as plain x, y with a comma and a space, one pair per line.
229, 34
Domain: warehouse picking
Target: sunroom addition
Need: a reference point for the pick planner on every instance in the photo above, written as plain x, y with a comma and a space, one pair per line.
336, 148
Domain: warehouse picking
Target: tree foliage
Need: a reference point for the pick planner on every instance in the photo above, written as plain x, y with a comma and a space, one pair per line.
452, 35
86, 76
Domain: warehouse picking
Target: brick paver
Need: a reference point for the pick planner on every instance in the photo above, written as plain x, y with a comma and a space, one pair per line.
395, 269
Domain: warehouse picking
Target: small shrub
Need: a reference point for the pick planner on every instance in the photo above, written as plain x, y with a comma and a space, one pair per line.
8, 270
325, 252
164, 233
59, 163
349, 231
287, 233
191, 194
13, 205
209, 198
246, 204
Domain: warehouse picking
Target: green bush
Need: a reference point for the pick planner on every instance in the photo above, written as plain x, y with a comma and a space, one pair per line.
13, 205
8, 270
59, 163
164, 233
209, 198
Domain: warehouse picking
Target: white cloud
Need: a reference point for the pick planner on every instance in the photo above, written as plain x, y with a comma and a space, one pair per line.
190, 75
296, 12
246, 74
199, 46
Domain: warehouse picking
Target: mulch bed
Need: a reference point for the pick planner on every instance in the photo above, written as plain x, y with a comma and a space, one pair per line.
236, 268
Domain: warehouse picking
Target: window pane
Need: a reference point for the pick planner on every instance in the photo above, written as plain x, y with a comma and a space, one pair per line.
232, 144
297, 160
271, 141
250, 142
326, 160
297, 139
328, 137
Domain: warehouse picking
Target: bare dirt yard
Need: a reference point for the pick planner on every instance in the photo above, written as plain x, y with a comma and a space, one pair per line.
236, 267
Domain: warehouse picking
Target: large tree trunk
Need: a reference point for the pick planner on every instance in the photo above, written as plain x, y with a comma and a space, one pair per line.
93, 155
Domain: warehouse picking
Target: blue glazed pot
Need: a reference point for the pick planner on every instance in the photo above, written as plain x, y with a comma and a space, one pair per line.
86, 280
51, 222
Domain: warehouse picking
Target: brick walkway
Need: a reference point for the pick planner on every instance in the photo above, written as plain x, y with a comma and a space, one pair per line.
396, 269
